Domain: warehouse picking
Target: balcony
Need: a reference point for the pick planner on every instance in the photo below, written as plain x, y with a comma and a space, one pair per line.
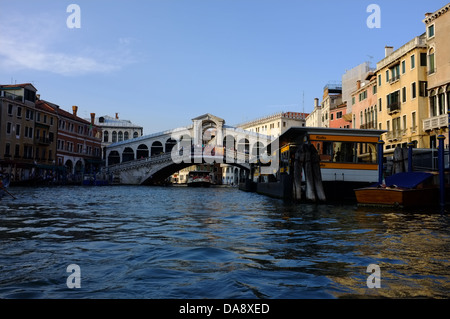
368, 126
11, 96
43, 140
435, 122
396, 135
394, 107
394, 79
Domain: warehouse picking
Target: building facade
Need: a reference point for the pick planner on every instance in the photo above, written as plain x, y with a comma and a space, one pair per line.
276, 124
364, 103
349, 81
314, 119
17, 127
116, 130
339, 118
402, 94
332, 97
78, 144
438, 57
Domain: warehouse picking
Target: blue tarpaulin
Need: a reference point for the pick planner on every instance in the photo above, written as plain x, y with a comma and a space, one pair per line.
407, 180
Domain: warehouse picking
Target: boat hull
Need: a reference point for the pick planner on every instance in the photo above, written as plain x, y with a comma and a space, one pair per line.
199, 184
397, 197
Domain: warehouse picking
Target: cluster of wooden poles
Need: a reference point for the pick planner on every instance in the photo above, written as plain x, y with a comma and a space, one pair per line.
307, 161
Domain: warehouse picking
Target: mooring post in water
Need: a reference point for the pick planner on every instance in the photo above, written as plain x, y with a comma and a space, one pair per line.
380, 161
410, 157
441, 161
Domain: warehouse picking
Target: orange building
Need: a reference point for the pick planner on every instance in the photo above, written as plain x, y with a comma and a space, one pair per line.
364, 103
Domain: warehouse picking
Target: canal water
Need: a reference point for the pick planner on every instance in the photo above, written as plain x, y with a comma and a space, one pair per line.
219, 243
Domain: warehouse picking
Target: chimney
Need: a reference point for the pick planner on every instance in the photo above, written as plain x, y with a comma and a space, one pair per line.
75, 110
92, 118
117, 116
358, 84
388, 51
316, 102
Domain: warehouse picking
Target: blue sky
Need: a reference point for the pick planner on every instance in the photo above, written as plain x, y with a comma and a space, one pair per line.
160, 63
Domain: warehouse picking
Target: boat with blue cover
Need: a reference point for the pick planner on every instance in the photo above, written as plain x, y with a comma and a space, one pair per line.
410, 189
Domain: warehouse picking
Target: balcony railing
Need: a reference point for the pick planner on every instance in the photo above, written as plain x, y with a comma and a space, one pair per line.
11, 96
43, 140
368, 126
394, 107
435, 122
394, 79
395, 135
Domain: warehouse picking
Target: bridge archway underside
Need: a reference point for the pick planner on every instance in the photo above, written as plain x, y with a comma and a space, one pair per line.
156, 170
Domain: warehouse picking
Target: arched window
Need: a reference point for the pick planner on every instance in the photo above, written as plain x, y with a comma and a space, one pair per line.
114, 136
135, 135
120, 136
126, 136
431, 64
156, 149
106, 136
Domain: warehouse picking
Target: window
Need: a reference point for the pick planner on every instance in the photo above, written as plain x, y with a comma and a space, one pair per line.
17, 130
7, 150
10, 109
374, 90
403, 67
353, 101
423, 87
363, 96
395, 73
388, 126
413, 121
387, 75
431, 31
431, 69
404, 123
19, 111
8, 128
413, 90
379, 80
29, 114
114, 136
404, 94
105, 136
380, 102
413, 61
393, 101
423, 59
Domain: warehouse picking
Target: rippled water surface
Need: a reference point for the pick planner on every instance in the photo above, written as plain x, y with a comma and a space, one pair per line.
178, 242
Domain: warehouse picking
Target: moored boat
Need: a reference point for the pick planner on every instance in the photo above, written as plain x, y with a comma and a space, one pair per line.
410, 189
199, 179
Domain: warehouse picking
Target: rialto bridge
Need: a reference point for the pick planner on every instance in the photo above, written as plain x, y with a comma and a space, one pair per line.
152, 158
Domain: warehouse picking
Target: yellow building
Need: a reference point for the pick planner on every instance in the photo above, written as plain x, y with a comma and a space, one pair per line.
438, 42
402, 94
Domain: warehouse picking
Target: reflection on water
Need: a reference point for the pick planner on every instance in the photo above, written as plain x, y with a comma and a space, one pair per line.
177, 242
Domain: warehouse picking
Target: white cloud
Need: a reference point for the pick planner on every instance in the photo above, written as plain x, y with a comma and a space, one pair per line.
21, 48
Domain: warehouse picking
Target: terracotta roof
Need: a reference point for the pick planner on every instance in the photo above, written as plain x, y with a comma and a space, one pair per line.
64, 113
43, 105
